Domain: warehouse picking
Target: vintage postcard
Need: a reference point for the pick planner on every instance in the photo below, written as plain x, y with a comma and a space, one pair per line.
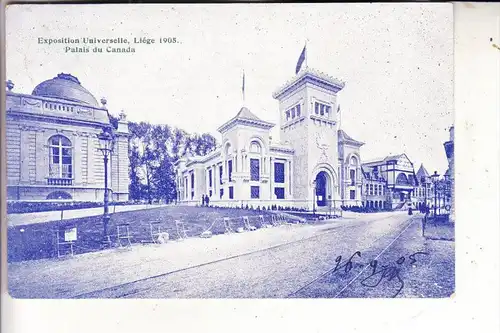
230, 151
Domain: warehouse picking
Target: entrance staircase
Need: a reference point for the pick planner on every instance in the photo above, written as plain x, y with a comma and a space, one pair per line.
400, 206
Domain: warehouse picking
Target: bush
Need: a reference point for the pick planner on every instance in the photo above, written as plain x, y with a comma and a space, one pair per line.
20, 207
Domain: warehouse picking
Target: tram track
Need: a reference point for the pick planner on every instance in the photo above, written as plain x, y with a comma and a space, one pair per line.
115, 290
331, 270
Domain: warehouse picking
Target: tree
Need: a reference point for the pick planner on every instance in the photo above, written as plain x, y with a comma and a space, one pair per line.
153, 150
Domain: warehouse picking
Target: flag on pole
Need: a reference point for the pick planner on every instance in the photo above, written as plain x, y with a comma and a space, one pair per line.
302, 58
243, 87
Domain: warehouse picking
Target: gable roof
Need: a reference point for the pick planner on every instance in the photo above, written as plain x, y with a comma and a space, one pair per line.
245, 113
343, 137
386, 159
370, 175
245, 117
422, 172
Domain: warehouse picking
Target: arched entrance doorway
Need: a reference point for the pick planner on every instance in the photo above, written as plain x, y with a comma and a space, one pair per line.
323, 189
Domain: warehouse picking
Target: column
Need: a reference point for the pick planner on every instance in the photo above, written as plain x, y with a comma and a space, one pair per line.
271, 178
207, 181
42, 156
91, 150
25, 147
261, 166
214, 179
77, 159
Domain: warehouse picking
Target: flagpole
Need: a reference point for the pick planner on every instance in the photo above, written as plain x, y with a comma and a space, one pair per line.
243, 87
306, 54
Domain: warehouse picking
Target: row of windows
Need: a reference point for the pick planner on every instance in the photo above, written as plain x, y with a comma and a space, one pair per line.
373, 204
279, 172
254, 192
321, 109
59, 107
374, 189
293, 112
421, 192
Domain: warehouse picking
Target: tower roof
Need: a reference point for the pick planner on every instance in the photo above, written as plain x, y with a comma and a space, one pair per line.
343, 137
245, 117
245, 113
67, 87
422, 172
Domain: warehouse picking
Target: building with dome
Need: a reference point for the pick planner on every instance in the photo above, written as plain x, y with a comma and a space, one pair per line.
312, 165
53, 147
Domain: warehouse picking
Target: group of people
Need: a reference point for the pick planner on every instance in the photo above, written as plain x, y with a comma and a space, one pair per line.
424, 209
205, 200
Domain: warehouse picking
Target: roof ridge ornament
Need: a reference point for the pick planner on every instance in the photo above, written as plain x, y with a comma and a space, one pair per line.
9, 84
69, 77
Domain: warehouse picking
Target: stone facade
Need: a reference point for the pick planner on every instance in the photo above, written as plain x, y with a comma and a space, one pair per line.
449, 147
397, 174
309, 166
52, 144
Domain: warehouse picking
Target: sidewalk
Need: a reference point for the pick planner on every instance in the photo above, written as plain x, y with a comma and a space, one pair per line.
51, 278
14, 220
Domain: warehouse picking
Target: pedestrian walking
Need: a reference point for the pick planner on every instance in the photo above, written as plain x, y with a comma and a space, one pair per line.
202, 199
207, 200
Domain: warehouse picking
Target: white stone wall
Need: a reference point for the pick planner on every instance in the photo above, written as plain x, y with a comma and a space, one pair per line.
314, 140
28, 153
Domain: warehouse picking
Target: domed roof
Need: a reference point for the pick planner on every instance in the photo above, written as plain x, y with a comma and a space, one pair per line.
65, 86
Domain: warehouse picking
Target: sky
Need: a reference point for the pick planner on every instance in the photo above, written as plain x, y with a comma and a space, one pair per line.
396, 61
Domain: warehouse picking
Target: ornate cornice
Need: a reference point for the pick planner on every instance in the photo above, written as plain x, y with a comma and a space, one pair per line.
323, 120
55, 119
248, 122
313, 76
282, 149
31, 128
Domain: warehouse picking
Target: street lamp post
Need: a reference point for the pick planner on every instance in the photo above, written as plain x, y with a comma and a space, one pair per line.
424, 184
330, 206
423, 180
106, 141
435, 178
447, 189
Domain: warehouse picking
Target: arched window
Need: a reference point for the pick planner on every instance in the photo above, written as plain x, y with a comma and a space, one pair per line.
228, 149
60, 157
402, 179
255, 147
59, 195
353, 161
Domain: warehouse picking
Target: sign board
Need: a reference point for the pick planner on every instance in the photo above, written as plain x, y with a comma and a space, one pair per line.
70, 235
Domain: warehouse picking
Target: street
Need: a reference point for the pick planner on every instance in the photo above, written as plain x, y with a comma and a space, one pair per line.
393, 261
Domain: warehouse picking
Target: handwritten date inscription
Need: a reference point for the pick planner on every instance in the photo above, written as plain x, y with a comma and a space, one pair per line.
379, 273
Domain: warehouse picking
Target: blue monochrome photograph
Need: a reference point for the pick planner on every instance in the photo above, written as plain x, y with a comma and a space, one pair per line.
230, 151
